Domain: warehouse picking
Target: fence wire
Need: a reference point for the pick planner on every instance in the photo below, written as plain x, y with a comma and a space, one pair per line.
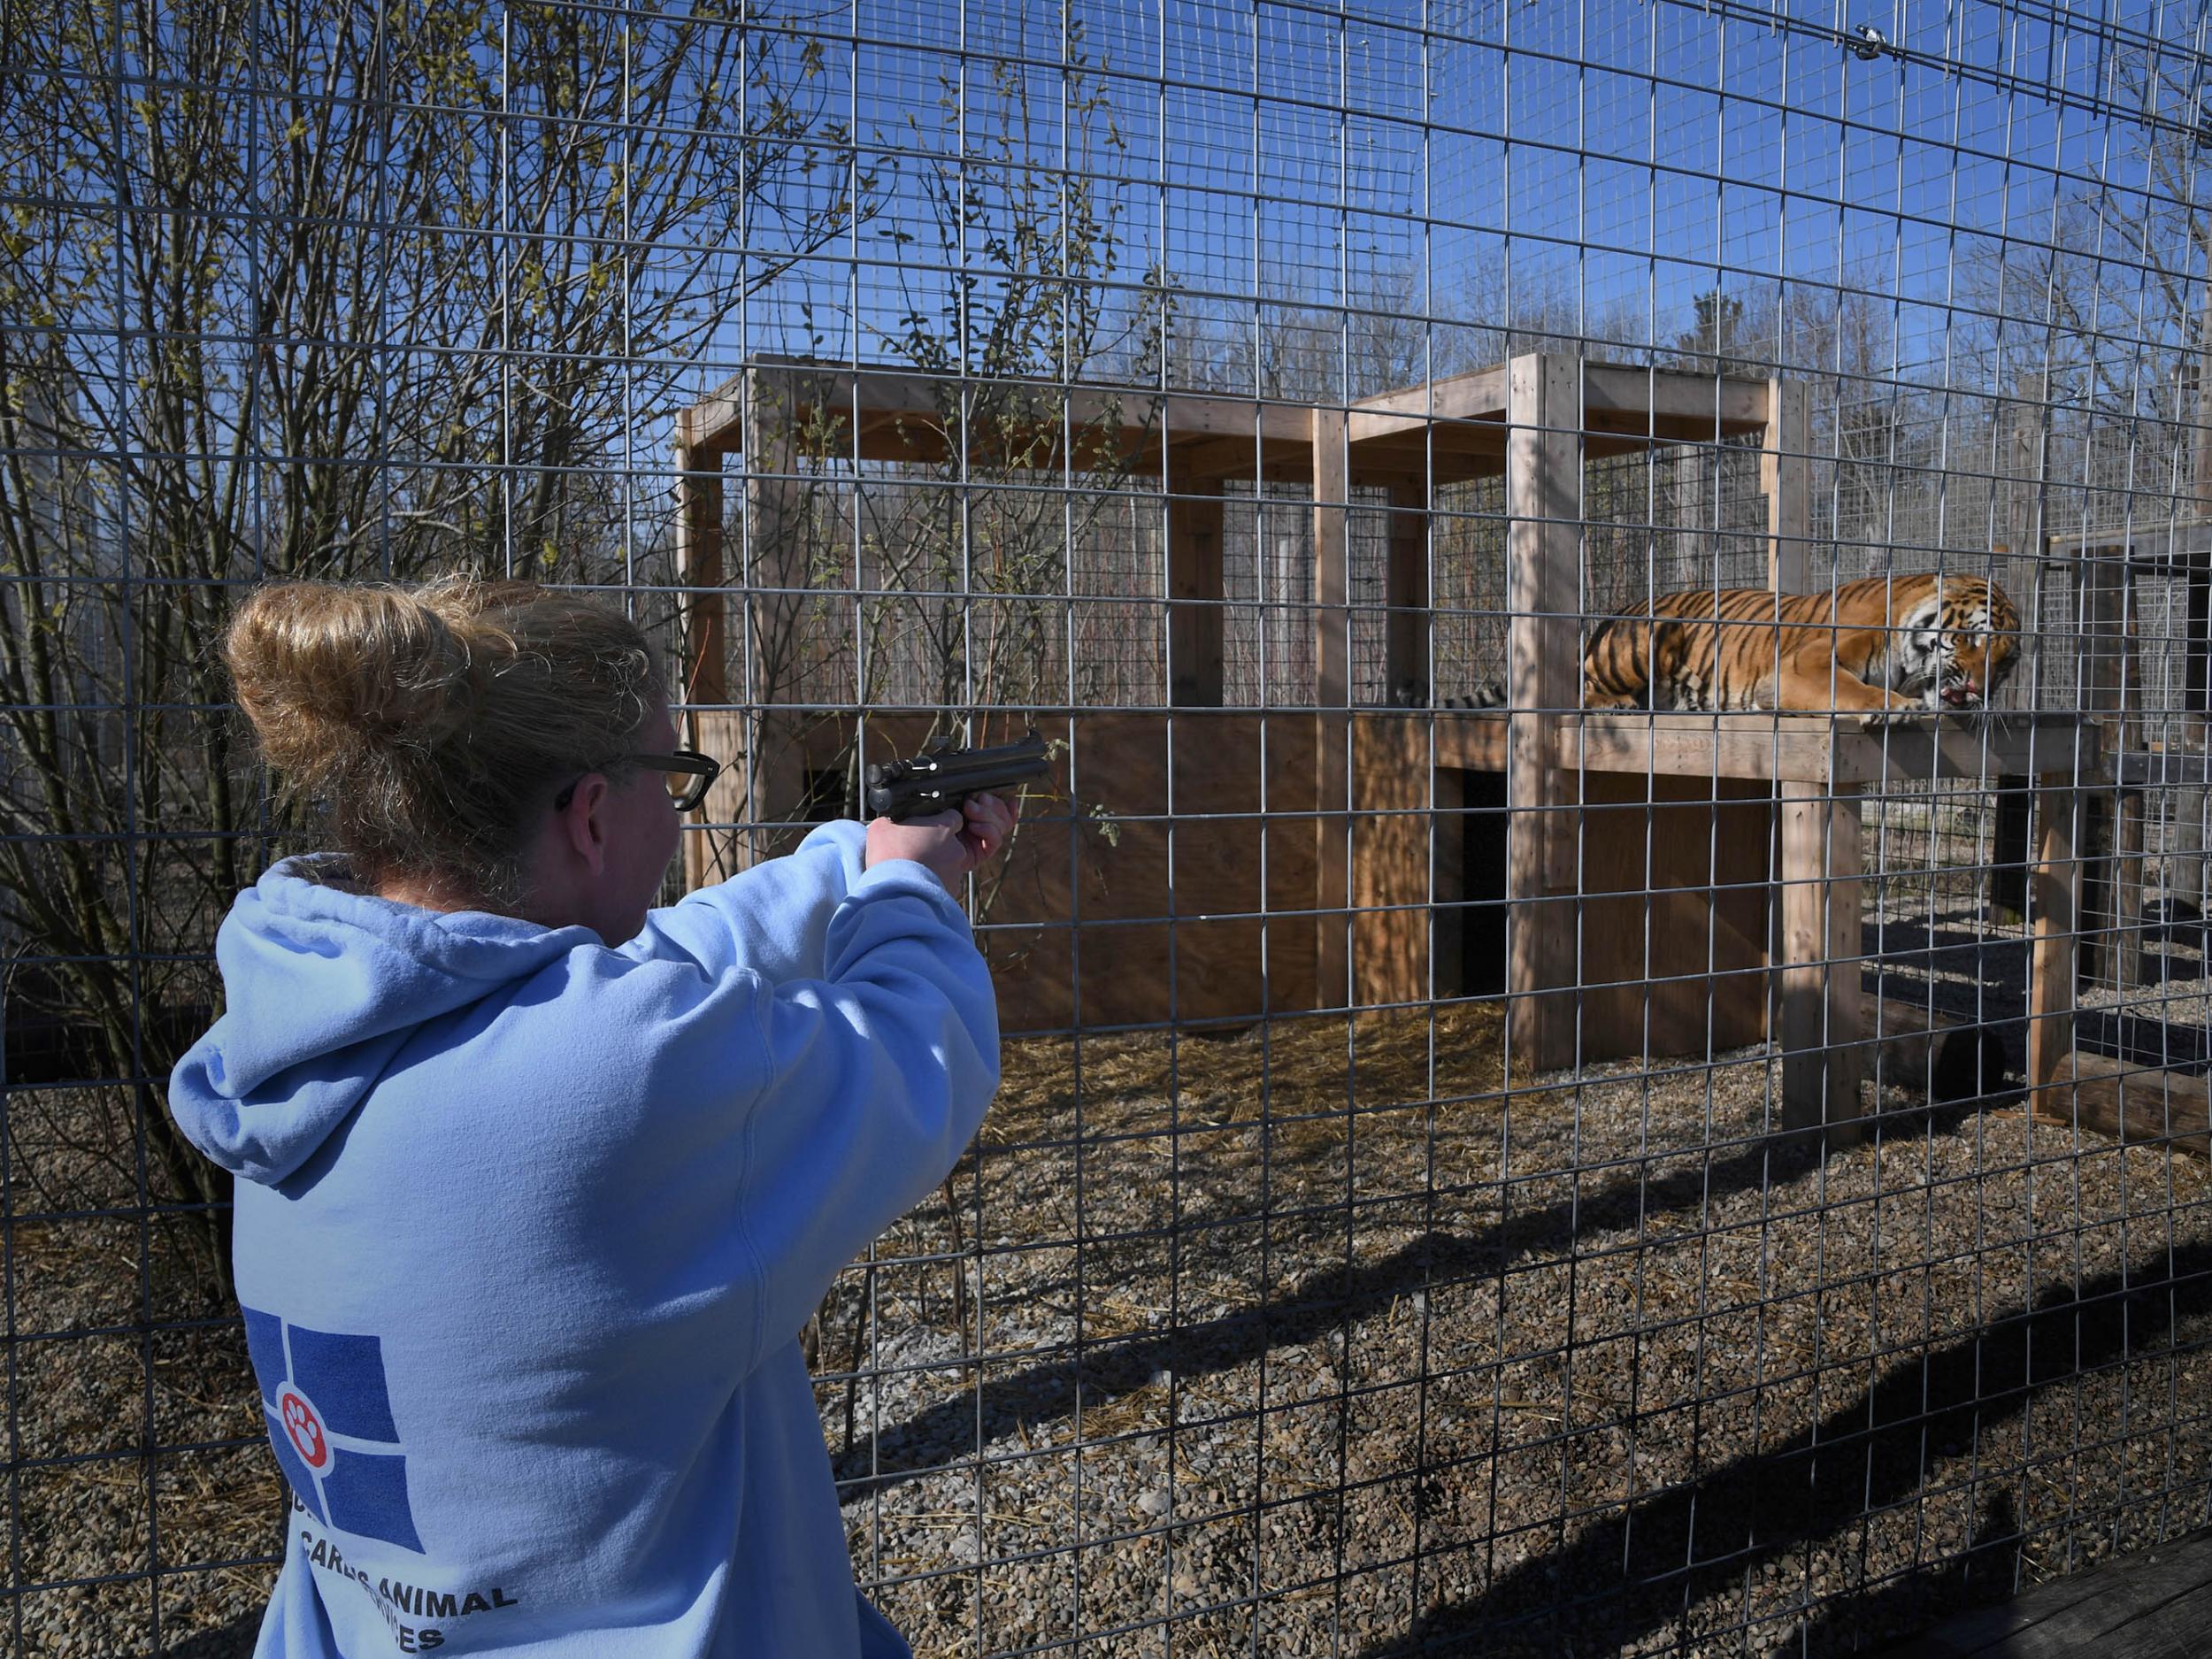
1470, 1175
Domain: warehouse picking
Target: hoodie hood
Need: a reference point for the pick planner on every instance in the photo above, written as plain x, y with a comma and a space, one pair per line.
323, 984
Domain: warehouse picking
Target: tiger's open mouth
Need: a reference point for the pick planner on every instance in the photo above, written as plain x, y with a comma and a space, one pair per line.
1961, 696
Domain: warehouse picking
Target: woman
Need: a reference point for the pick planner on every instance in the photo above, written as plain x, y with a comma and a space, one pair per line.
538, 1183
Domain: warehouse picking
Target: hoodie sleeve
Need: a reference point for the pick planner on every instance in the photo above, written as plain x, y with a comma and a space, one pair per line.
773, 919
876, 1077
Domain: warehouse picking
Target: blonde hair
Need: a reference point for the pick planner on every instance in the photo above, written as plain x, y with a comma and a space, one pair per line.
433, 722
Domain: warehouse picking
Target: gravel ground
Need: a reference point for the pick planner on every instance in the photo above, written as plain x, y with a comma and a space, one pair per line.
118, 1343
1582, 1369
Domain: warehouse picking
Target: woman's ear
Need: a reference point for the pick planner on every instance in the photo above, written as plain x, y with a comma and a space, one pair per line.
581, 826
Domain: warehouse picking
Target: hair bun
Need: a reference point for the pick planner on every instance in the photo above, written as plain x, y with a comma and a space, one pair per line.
322, 669
436, 720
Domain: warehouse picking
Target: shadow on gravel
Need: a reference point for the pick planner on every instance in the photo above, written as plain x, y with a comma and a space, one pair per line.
1630, 1567
1046, 1392
233, 1641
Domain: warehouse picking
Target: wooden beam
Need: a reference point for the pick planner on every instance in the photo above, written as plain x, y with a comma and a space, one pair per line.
1479, 395
1812, 749
1818, 977
1543, 599
1694, 406
1786, 474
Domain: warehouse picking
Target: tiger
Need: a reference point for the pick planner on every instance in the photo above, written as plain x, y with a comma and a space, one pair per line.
1885, 649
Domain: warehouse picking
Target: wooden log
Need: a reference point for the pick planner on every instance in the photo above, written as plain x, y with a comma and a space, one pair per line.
2132, 1105
1950, 1060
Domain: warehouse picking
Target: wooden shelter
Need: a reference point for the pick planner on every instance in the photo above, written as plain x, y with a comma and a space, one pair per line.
1270, 861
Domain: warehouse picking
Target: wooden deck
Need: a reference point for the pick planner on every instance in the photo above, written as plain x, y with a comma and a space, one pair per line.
2155, 1604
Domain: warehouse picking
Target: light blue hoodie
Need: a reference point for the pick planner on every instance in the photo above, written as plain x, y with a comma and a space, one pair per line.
527, 1228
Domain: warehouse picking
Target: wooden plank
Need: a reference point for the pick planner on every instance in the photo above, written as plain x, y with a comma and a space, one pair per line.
1817, 974
1543, 576
1785, 476
1812, 747
2129, 1102
1672, 951
2155, 1603
1472, 739
1195, 588
1699, 745
2054, 895
1098, 880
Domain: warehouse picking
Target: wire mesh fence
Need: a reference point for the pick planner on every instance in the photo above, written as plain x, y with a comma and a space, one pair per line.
1472, 1173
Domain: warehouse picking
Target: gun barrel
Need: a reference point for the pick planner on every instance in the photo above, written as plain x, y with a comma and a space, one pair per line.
901, 789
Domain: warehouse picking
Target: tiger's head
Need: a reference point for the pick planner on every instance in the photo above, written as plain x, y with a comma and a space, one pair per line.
1958, 645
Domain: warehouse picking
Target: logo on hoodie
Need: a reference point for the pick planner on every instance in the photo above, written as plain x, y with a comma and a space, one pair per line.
330, 1420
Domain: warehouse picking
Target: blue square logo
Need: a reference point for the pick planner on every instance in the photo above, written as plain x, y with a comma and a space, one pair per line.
330, 1420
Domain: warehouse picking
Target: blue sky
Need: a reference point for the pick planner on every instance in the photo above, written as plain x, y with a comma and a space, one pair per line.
1626, 155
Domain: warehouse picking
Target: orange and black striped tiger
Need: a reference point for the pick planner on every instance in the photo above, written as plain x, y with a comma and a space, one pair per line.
1881, 649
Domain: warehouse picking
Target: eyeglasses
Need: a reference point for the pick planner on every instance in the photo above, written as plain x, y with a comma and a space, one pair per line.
690, 775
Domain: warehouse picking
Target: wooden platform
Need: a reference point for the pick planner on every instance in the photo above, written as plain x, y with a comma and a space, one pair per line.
1672, 882
2153, 1604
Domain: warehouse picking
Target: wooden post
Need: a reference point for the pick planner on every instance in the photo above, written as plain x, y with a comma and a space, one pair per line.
2020, 536
773, 575
2055, 893
1406, 594
2112, 689
1786, 474
699, 566
1543, 502
1332, 661
704, 674
2186, 806
1822, 1014
1194, 590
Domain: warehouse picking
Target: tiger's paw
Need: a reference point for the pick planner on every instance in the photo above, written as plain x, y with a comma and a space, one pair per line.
1884, 719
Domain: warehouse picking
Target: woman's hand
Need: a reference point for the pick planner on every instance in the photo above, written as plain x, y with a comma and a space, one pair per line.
950, 843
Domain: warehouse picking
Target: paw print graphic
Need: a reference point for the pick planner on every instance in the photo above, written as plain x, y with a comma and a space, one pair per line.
304, 1428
